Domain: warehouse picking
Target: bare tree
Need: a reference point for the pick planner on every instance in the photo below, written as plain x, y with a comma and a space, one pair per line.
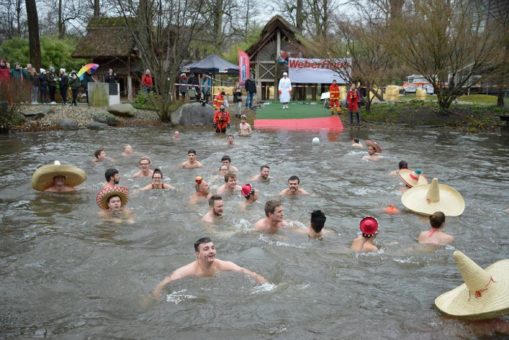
162, 31
448, 42
33, 33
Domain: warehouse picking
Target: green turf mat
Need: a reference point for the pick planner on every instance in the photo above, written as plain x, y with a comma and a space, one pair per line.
273, 110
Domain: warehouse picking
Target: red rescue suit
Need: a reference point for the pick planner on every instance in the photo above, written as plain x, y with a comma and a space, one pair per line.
334, 98
352, 99
221, 120
218, 101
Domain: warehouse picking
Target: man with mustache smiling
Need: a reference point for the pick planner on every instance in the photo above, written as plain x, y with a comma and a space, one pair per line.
293, 188
205, 265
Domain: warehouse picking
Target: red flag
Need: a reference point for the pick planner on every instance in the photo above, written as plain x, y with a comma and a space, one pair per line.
243, 67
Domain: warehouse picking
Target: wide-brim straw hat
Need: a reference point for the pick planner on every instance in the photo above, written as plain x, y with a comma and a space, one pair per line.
429, 198
484, 295
105, 193
412, 177
42, 178
378, 148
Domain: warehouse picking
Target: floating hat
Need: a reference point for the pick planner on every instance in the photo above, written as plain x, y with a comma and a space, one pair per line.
106, 192
485, 293
428, 198
42, 178
374, 144
369, 225
246, 190
412, 177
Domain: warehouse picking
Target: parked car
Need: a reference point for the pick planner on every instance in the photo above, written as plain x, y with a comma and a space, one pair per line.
415, 81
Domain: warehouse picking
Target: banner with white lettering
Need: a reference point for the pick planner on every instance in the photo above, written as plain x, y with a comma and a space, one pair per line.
319, 71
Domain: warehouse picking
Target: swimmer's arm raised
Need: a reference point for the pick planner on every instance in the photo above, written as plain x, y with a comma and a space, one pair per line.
176, 275
230, 266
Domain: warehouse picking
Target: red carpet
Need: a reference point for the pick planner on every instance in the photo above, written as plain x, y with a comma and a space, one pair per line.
332, 124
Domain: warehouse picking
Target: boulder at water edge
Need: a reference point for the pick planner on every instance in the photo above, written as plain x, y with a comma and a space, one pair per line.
96, 126
68, 124
193, 114
105, 118
123, 110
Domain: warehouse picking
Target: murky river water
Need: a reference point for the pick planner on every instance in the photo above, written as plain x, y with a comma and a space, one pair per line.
66, 273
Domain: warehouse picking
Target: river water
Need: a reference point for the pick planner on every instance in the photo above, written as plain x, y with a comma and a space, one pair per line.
67, 273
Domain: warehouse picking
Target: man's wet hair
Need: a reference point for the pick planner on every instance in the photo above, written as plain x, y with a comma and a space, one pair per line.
144, 158
294, 178
226, 158
191, 151
214, 198
201, 241
318, 220
437, 219
157, 171
228, 176
109, 173
264, 166
98, 152
270, 206
403, 165
356, 140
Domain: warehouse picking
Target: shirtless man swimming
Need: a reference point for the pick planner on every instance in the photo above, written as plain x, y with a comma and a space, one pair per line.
436, 235
59, 185
374, 151
202, 191
144, 166
264, 175
293, 188
244, 127
205, 265
100, 156
365, 242
230, 186
112, 177
216, 209
226, 160
191, 162
250, 194
273, 220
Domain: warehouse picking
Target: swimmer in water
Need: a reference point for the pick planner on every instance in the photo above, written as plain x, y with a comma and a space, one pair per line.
226, 160
230, 140
144, 166
356, 143
436, 235
112, 177
401, 165
205, 265
374, 151
202, 191
264, 175
250, 194
100, 156
244, 127
273, 220
365, 242
128, 151
230, 186
216, 209
293, 188
192, 162
157, 182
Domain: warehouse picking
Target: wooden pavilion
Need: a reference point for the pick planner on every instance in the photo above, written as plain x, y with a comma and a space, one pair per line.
109, 43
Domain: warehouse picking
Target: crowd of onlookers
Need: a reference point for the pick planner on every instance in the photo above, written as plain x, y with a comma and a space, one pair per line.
44, 86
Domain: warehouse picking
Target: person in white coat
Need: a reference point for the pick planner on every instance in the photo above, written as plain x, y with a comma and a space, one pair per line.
284, 90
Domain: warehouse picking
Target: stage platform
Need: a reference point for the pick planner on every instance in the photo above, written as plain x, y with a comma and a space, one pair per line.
298, 117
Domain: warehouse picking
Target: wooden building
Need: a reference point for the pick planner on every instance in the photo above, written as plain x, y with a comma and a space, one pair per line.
278, 41
109, 43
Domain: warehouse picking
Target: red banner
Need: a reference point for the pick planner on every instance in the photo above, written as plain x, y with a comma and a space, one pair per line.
243, 67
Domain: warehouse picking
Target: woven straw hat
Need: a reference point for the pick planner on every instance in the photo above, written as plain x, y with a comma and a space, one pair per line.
428, 198
42, 178
105, 193
378, 148
484, 295
412, 177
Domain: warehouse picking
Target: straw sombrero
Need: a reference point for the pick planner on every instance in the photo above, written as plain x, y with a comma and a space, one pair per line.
428, 198
42, 178
378, 148
484, 295
412, 177
105, 193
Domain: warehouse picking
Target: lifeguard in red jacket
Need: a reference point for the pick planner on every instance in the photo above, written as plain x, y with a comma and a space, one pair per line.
219, 100
335, 106
221, 120
353, 97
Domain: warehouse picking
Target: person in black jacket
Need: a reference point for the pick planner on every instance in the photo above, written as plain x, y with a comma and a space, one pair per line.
87, 78
64, 85
110, 77
51, 79
75, 85
250, 86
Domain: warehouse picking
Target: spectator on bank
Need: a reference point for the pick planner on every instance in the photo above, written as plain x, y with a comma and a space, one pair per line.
194, 89
51, 79
75, 85
206, 85
33, 78
64, 85
43, 86
87, 78
17, 73
5, 74
183, 86
237, 99
147, 81
353, 99
111, 77
250, 86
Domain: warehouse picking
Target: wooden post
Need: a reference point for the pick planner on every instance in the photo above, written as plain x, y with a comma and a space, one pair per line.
129, 80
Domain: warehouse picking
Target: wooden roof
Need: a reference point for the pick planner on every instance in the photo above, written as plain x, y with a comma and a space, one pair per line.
106, 37
277, 23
